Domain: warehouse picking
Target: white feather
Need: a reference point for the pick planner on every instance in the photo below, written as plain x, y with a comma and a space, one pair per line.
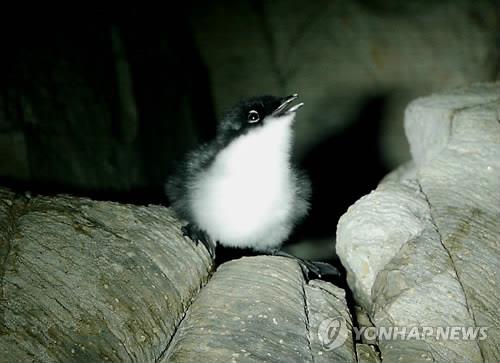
245, 198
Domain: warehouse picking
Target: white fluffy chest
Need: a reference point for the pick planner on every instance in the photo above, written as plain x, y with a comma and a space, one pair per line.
244, 199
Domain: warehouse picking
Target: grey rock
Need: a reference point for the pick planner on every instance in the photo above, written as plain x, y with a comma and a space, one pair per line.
260, 309
86, 281
422, 249
366, 354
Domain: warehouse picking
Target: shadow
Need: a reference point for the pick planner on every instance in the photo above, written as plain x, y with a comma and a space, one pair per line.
343, 168
138, 196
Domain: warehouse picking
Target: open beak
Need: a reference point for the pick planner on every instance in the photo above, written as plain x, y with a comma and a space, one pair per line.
286, 106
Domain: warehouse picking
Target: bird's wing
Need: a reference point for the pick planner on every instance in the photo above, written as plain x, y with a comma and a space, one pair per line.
185, 172
302, 194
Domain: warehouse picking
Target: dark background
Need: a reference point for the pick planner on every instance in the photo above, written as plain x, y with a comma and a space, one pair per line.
100, 102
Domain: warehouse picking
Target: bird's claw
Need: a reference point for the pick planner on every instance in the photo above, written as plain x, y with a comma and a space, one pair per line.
318, 268
314, 268
197, 235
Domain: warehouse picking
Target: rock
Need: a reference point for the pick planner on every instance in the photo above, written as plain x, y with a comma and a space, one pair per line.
366, 354
374, 230
422, 249
261, 309
87, 281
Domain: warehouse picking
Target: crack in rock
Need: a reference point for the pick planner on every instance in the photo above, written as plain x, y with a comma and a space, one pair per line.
306, 314
450, 256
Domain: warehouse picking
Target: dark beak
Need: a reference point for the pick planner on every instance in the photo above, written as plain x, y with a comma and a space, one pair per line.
286, 106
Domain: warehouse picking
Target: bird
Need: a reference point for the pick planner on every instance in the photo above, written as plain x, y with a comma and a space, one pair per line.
242, 189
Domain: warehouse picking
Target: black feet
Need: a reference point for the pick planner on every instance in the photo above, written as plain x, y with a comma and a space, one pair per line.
197, 235
315, 268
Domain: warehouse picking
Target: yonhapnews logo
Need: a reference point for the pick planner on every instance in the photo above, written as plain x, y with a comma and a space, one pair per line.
333, 332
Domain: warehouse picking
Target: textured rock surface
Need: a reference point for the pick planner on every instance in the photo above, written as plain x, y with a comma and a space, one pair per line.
423, 248
261, 309
366, 354
337, 54
85, 281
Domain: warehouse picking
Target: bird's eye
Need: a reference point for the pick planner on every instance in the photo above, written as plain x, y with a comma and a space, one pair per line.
253, 116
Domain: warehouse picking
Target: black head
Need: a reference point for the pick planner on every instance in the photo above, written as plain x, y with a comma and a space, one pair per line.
253, 112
